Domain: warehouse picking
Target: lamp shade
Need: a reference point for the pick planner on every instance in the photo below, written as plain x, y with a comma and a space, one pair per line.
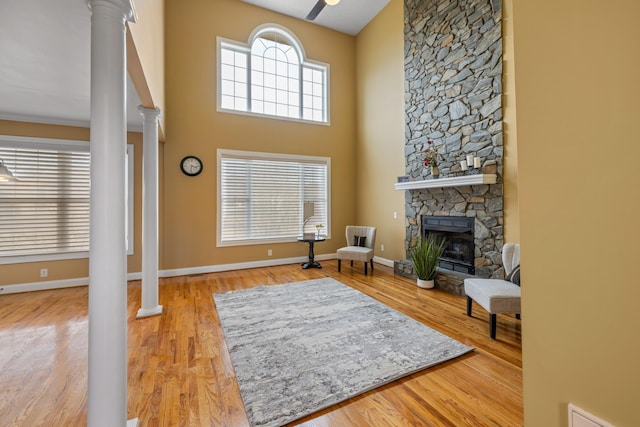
332, 2
309, 210
5, 173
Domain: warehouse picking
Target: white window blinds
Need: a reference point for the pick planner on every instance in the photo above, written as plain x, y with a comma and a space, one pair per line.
45, 215
261, 196
47, 211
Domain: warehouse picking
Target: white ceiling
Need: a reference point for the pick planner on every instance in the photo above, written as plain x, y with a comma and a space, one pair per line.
45, 55
45, 63
348, 16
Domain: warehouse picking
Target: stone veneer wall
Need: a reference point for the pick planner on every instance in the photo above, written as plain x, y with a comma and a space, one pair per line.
453, 97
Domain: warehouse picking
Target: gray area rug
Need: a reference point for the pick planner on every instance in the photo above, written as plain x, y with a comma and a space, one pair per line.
301, 347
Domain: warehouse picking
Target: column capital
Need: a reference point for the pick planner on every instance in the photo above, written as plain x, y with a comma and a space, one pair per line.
126, 6
149, 112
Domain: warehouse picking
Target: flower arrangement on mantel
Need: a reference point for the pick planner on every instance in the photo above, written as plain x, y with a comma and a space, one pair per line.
431, 159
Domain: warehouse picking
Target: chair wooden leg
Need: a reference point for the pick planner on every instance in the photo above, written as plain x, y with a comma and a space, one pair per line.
371, 261
365, 268
351, 263
339, 262
492, 326
518, 316
469, 306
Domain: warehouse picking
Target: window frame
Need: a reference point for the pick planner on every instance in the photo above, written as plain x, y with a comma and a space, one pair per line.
275, 157
305, 63
18, 142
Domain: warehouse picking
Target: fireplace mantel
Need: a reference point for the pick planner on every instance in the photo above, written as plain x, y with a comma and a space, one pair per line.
481, 178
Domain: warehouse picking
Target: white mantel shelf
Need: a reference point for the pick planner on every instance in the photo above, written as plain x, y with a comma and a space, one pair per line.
481, 178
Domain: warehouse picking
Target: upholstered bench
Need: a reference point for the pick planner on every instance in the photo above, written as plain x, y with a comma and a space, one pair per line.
496, 295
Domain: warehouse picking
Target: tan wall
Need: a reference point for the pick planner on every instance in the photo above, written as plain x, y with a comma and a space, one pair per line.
577, 68
193, 126
380, 149
12, 274
510, 138
147, 68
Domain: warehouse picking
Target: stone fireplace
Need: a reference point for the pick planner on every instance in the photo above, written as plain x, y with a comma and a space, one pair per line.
453, 97
481, 204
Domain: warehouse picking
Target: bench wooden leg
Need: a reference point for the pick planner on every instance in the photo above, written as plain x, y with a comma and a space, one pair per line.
492, 326
339, 262
371, 266
365, 268
469, 306
518, 316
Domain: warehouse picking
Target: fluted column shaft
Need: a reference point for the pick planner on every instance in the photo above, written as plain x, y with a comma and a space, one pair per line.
150, 156
107, 391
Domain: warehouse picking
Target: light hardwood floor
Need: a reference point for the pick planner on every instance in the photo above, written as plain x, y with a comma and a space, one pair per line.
180, 373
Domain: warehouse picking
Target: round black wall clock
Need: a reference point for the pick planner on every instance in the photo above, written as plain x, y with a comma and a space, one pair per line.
191, 166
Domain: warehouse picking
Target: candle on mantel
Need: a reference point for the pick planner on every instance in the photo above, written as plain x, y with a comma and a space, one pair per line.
469, 160
476, 162
463, 165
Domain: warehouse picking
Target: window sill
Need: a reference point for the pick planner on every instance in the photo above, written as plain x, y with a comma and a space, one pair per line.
23, 259
293, 239
44, 257
273, 117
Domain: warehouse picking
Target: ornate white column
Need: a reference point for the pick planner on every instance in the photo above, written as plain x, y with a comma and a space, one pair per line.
107, 394
150, 306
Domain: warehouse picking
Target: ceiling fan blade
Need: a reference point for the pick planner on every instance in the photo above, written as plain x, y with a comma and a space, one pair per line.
316, 10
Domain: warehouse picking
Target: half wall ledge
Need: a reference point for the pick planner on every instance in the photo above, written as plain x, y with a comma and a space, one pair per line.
481, 178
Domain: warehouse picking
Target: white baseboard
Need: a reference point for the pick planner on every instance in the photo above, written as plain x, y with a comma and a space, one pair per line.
134, 276
383, 261
54, 284
240, 265
43, 286
84, 281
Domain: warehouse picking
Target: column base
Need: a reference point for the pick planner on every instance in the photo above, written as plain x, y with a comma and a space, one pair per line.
133, 422
148, 312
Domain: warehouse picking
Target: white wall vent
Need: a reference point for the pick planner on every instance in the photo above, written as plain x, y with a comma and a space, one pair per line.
578, 417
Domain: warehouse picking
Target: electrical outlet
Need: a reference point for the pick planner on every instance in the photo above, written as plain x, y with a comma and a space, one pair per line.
382, 248
44, 272
395, 215
269, 252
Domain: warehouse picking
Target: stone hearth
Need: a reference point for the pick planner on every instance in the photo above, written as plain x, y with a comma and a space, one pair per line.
446, 280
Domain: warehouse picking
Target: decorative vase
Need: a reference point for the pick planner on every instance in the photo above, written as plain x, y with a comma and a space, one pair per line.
435, 172
426, 284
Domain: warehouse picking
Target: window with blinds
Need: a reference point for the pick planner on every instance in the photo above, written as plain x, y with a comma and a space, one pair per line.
46, 213
261, 196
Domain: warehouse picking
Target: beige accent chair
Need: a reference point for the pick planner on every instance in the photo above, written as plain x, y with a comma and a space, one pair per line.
495, 295
360, 240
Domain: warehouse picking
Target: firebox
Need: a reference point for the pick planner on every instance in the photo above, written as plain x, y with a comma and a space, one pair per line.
458, 232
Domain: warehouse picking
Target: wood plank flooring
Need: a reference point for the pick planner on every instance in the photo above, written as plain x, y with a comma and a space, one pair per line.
180, 373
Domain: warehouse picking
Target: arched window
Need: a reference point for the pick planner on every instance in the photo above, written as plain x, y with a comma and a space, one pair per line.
271, 76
